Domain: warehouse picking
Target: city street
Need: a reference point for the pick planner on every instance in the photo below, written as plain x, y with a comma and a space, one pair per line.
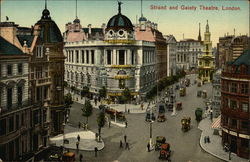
184, 145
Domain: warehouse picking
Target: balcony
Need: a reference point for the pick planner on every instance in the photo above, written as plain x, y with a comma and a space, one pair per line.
43, 81
237, 76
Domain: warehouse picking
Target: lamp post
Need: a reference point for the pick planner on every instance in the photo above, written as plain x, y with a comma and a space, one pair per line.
63, 136
150, 134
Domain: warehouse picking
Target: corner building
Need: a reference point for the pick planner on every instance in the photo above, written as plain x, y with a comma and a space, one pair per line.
115, 61
235, 97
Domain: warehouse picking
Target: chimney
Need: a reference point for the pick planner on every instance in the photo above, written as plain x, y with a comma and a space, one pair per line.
156, 26
89, 26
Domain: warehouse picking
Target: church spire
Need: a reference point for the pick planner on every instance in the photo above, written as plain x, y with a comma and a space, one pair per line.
207, 27
199, 37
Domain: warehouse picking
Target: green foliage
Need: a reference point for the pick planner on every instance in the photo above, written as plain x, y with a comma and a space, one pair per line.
103, 92
87, 109
68, 100
101, 120
85, 91
162, 84
73, 88
126, 95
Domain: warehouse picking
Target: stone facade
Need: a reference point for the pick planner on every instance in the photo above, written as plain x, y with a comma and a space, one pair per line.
235, 99
216, 105
171, 55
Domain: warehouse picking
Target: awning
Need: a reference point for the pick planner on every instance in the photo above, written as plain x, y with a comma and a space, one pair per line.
216, 123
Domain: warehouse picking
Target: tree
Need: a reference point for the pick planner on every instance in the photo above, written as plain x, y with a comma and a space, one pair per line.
126, 96
68, 100
87, 110
85, 91
103, 92
100, 122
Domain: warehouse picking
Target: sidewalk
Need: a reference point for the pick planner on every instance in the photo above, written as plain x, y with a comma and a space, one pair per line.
87, 140
119, 107
215, 147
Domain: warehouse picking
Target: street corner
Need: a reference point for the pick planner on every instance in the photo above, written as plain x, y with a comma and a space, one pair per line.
87, 141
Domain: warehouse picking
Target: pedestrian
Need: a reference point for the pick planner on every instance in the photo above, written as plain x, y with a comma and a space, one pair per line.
95, 101
208, 139
141, 106
81, 157
127, 146
148, 146
125, 138
78, 138
120, 143
96, 149
128, 111
109, 123
79, 125
96, 136
77, 145
126, 124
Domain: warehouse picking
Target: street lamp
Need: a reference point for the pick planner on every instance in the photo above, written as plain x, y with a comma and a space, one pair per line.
63, 134
150, 134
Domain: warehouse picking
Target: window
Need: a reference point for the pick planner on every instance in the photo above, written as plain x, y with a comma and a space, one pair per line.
19, 95
121, 57
82, 78
234, 123
234, 87
233, 104
39, 51
72, 56
11, 124
244, 125
77, 56
83, 56
20, 68
109, 57
132, 57
87, 53
17, 122
2, 127
121, 83
0, 70
244, 142
92, 56
244, 88
9, 69
9, 97
245, 107
35, 117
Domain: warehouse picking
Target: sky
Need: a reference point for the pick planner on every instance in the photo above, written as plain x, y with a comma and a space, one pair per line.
176, 22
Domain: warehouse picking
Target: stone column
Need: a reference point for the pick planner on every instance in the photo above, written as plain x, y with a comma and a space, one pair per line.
114, 54
129, 61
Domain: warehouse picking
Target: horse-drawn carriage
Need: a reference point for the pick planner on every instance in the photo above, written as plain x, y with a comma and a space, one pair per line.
161, 116
185, 122
198, 114
115, 114
165, 152
179, 106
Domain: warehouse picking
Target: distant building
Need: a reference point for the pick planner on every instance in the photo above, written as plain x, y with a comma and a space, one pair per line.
110, 56
188, 51
206, 64
216, 104
235, 99
148, 31
171, 55
230, 47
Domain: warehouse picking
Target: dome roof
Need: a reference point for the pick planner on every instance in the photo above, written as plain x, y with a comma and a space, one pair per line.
119, 21
50, 32
142, 19
76, 20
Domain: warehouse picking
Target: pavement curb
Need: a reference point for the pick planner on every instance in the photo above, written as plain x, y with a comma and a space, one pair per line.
209, 151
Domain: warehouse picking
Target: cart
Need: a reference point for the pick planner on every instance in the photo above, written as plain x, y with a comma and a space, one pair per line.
179, 106
158, 142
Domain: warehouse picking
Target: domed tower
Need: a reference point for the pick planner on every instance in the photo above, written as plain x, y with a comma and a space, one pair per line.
119, 28
47, 71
